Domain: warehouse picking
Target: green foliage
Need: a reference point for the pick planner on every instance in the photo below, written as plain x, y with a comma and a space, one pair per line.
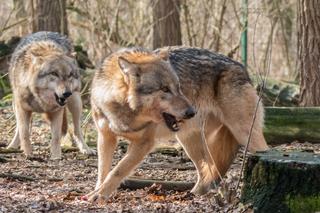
5, 90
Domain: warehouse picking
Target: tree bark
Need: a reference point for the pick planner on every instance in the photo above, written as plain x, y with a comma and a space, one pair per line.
166, 18
50, 15
309, 52
21, 13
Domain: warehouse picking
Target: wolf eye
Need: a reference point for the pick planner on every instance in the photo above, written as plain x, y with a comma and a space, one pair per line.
54, 74
70, 75
165, 89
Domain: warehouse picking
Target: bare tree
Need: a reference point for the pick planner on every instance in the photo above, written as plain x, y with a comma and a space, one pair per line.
50, 15
309, 52
166, 18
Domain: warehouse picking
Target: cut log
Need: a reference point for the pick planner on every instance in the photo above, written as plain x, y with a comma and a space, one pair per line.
282, 182
136, 183
11, 176
287, 124
9, 151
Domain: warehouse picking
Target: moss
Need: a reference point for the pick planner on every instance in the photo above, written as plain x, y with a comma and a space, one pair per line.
306, 204
284, 124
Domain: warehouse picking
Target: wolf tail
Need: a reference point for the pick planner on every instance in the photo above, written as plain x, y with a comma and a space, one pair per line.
64, 126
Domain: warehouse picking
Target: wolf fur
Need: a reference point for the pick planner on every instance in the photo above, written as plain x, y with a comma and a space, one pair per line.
135, 88
45, 79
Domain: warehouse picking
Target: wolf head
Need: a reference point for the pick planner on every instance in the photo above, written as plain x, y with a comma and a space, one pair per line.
56, 75
154, 89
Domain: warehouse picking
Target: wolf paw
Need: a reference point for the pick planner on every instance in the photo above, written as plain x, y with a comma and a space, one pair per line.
88, 151
96, 197
200, 189
13, 146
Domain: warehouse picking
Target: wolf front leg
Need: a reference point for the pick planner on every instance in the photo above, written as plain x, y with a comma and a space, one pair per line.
23, 129
55, 119
107, 142
138, 148
15, 143
75, 107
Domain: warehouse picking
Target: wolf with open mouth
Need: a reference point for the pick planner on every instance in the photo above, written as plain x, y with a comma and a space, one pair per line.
45, 78
143, 96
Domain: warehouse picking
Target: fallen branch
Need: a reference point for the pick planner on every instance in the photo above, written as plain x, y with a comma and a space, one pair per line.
135, 183
17, 177
9, 151
3, 160
168, 166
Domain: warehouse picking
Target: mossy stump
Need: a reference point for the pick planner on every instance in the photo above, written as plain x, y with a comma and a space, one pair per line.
282, 182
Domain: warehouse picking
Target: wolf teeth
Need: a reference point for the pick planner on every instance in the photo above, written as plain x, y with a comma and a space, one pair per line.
175, 126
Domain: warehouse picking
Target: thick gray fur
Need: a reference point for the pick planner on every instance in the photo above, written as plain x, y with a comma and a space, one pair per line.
55, 37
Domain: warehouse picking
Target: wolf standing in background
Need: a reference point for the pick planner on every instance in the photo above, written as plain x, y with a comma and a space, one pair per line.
143, 96
44, 78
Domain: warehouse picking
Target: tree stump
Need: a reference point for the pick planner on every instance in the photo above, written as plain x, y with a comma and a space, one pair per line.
282, 182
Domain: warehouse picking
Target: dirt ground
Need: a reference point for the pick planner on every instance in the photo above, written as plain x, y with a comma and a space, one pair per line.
41, 185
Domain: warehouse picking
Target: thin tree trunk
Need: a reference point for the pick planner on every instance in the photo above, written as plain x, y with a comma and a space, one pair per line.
166, 18
309, 52
50, 15
21, 13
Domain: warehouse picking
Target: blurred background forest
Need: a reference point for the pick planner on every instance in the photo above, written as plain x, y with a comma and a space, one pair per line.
100, 27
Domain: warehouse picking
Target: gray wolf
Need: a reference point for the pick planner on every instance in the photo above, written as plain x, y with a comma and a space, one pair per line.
45, 79
144, 96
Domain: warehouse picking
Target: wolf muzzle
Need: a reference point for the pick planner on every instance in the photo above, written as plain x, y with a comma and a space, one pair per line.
61, 100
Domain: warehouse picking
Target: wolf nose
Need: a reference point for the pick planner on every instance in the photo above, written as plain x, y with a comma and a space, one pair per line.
189, 113
67, 94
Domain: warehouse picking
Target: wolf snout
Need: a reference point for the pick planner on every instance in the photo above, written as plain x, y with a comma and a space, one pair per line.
189, 113
67, 94
61, 99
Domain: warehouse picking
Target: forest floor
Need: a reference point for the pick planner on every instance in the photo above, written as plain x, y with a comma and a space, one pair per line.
41, 185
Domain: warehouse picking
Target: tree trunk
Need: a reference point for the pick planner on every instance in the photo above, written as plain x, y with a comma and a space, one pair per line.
309, 52
166, 18
282, 182
21, 13
50, 15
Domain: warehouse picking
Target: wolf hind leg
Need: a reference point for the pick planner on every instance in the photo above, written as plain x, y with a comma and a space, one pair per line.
238, 110
222, 147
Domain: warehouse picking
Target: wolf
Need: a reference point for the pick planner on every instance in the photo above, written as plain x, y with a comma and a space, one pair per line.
145, 96
45, 79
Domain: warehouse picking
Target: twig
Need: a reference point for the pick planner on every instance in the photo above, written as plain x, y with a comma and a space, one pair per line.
256, 110
249, 138
9, 151
14, 24
7, 21
3, 160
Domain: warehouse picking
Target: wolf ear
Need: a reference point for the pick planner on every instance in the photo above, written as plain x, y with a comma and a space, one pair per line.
163, 54
125, 65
